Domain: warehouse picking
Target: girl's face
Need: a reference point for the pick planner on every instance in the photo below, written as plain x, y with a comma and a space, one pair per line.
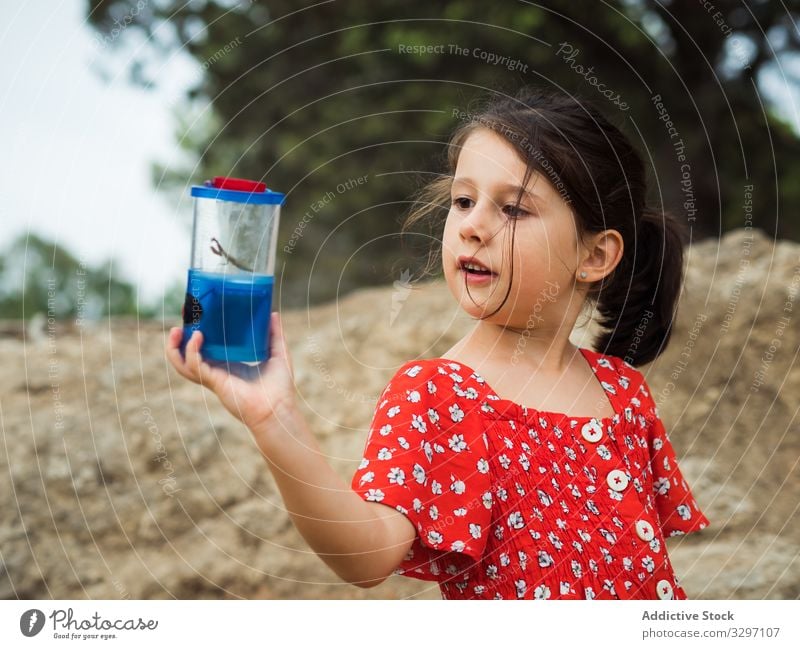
545, 253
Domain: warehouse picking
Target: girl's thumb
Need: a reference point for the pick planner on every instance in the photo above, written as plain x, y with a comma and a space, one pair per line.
277, 346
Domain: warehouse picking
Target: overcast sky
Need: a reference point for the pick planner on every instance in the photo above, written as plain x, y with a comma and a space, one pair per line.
75, 165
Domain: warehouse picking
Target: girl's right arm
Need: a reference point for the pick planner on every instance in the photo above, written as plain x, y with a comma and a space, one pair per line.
362, 542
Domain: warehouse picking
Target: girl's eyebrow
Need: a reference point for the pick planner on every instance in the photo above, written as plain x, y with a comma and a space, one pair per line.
504, 187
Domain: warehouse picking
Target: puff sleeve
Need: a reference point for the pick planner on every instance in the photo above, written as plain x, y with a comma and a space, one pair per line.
675, 505
426, 457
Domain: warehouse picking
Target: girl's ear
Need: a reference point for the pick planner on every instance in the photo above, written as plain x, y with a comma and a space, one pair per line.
601, 252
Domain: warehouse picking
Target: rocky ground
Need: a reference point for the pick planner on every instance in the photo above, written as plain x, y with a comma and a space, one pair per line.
118, 479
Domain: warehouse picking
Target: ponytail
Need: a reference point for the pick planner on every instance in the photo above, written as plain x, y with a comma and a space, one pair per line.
638, 301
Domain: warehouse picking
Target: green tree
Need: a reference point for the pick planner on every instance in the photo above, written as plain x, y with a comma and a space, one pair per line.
308, 95
39, 276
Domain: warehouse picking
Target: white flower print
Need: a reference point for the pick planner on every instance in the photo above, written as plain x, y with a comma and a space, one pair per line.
658, 443
544, 498
603, 452
434, 538
479, 590
375, 495
392, 411
456, 413
458, 487
627, 563
417, 505
457, 546
419, 423
593, 566
431, 387
592, 507
504, 559
570, 453
574, 490
491, 571
515, 521
544, 558
542, 423
397, 476
565, 588
562, 524
486, 499
524, 462
386, 429
521, 587
428, 452
576, 569
541, 592
684, 512
553, 538
364, 464
505, 462
419, 474
436, 488
661, 486
475, 530
508, 442
367, 477
608, 387
502, 494
457, 443
438, 448
578, 546
413, 371
471, 393
433, 416
483, 466
384, 454
589, 592
403, 442
523, 559
609, 586
648, 564
610, 537
413, 396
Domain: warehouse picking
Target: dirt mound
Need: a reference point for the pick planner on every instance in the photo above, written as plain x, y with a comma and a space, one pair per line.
120, 479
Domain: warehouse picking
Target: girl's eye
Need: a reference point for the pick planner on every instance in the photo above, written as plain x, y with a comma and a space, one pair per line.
515, 212
459, 202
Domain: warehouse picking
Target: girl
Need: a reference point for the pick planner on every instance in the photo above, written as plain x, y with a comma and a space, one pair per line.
517, 465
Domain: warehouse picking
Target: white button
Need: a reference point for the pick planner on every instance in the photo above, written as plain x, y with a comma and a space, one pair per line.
644, 530
664, 589
592, 431
617, 480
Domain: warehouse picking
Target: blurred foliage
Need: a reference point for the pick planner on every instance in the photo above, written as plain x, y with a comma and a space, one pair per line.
308, 95
41, 277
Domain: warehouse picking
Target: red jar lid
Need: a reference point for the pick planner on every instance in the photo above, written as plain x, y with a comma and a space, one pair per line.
238, 184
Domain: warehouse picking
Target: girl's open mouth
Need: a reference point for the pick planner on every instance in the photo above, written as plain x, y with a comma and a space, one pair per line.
476, 274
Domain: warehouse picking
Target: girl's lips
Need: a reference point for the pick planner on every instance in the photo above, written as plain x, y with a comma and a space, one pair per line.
477, 278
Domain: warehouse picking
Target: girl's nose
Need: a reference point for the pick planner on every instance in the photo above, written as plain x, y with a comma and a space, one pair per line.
477, 223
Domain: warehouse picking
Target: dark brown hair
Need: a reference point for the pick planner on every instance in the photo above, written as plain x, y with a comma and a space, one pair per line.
597, 171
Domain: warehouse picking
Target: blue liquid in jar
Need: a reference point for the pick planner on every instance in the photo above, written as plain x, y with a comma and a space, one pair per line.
232, 311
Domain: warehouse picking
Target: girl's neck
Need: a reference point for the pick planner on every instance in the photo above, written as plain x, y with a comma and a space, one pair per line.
540, 351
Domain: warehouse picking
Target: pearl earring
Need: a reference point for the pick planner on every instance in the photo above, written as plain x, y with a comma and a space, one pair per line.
583, 274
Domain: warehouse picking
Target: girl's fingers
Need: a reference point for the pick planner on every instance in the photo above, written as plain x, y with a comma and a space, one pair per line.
193, 357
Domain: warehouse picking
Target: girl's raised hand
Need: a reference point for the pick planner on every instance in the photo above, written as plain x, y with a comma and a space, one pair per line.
253, 402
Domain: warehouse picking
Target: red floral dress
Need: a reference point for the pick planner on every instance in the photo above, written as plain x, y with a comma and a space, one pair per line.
510, 502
